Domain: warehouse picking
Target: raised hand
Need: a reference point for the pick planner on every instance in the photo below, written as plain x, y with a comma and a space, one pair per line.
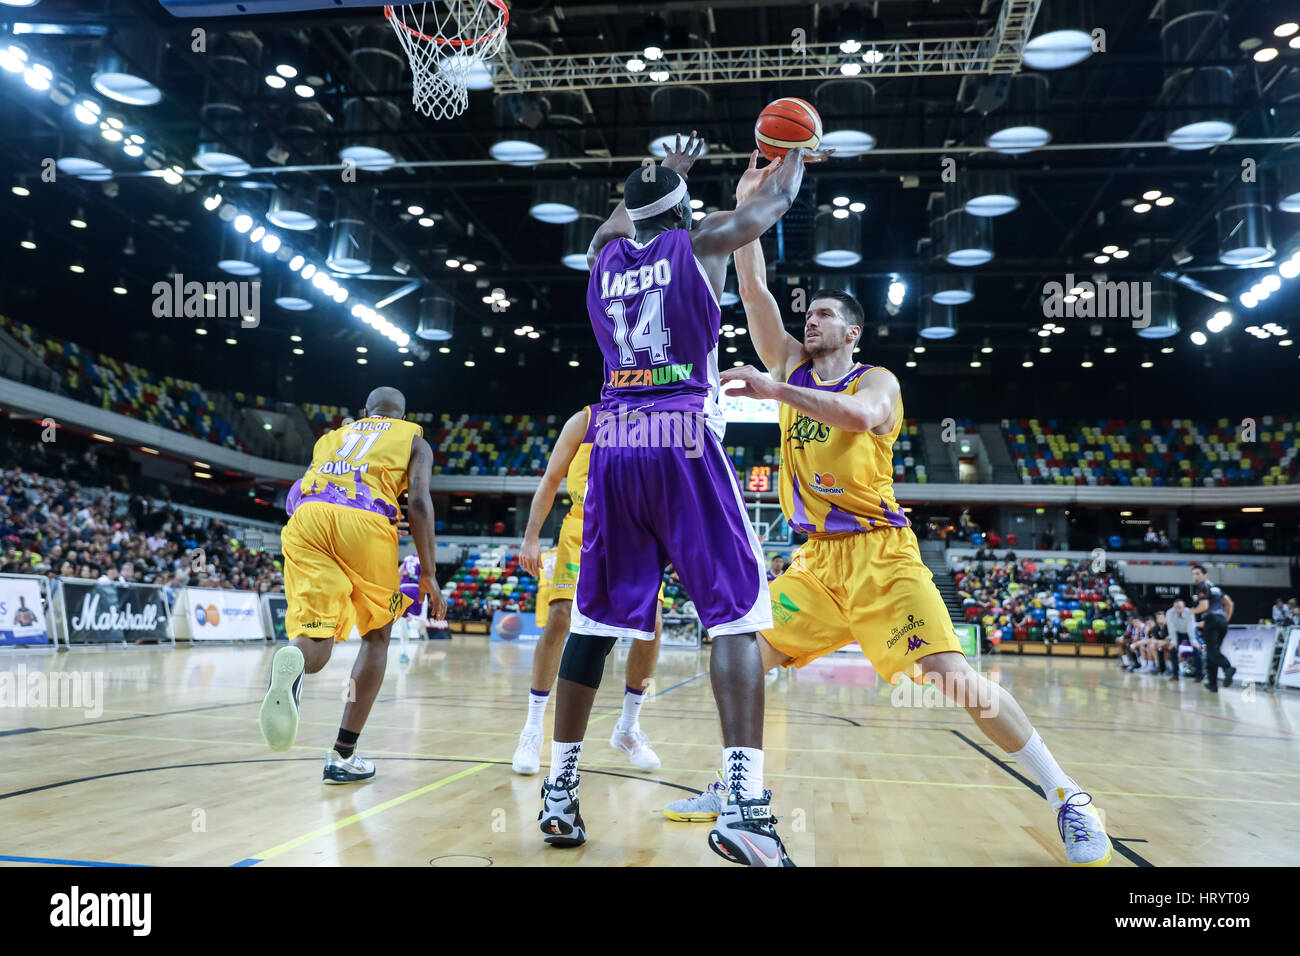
681, 160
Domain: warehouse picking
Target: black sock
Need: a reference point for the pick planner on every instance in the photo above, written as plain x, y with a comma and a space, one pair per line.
347, 743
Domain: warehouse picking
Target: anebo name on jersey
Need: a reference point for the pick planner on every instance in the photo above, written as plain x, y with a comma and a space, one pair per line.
620, 284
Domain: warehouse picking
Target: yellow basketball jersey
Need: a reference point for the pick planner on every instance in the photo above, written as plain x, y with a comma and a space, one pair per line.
361, 465
834, 481
575, 479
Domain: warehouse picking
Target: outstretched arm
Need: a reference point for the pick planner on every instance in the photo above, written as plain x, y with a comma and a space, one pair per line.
723, 233
420, 511
870, 409
619, 225
566, 446
780, 351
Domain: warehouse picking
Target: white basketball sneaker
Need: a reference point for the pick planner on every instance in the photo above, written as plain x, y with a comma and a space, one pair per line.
703, 808
528, 755
745, 833
636, 745
278, 717
1081, 828
347, 769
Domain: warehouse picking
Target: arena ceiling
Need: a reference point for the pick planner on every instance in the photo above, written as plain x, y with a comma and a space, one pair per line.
445, 199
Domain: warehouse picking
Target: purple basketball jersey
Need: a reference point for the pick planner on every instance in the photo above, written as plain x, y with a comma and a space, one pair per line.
656, 321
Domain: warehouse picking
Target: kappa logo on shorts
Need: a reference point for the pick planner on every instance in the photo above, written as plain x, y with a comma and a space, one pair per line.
783, 609
395, 602
896, 632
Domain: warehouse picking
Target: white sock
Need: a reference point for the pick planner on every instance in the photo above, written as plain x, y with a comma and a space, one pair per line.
404, 635
536, 709
742, 771
564, 760
1043, 768
632, 700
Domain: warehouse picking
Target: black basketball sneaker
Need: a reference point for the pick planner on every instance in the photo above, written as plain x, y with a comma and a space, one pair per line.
561, 821
746, 834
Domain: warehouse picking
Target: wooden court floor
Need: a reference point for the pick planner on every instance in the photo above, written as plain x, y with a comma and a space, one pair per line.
173, 771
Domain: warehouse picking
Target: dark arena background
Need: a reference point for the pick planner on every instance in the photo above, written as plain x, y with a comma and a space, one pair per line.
1074, 231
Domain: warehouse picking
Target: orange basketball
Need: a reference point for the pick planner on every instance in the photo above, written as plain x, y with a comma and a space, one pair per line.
785, 124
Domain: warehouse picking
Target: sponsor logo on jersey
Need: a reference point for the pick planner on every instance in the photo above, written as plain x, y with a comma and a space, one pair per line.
341, 467
804, 429
825, 483
656, 375
896, 632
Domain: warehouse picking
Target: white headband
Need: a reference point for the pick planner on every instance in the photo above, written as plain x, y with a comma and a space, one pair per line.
661, 204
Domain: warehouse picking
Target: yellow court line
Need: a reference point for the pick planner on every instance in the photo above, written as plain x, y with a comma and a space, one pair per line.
697, 770
357, 817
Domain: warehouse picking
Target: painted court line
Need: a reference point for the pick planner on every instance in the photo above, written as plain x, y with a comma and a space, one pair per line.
357, 817
56, 862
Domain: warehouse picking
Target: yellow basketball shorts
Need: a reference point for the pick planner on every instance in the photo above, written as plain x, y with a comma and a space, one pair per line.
558, 580
871, 587
340, 571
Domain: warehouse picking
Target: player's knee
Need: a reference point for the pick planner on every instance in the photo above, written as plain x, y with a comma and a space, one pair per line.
584, 659
560, 614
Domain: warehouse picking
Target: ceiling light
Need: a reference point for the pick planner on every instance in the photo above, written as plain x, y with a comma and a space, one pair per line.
287, 71
275, 82
1198, 337
1110, 350
1264, 54
29, 242
1142, 207
308, 270
1119, 254
231, 342
1109, 249
13, 58
1165, 201
1271, 282
452, 263
469, 267
1086, 363
1045, 350
77, 267
911, 363
305, 91
1101, 260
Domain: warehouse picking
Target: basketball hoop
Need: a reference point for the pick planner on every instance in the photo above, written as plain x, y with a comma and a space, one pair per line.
445, 41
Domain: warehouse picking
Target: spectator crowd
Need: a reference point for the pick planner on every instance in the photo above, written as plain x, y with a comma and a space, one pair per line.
56, 527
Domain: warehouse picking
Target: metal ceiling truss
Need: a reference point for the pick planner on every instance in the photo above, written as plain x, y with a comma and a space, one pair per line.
998, 52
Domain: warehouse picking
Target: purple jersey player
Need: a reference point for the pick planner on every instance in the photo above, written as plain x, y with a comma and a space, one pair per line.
410, 586
660, 488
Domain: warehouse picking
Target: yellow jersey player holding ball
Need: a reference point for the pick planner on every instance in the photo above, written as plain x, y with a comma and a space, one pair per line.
341, 570
860, 575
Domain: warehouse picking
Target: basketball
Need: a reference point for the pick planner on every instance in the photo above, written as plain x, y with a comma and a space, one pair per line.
785, 124
508, 627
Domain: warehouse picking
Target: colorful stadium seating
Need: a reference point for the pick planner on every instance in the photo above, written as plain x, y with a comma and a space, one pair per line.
106, 382
1146, 453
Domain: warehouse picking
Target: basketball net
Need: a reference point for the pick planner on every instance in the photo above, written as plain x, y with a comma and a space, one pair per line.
445, 41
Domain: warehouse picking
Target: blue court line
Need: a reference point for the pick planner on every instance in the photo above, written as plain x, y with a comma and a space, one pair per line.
44, 859
250, 861
660, 693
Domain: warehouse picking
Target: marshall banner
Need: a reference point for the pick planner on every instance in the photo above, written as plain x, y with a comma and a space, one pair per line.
218, 614
112, 613
22, 616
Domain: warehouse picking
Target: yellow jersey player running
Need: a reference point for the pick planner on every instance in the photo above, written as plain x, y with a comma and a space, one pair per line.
341, 571
860, 575
557, 574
